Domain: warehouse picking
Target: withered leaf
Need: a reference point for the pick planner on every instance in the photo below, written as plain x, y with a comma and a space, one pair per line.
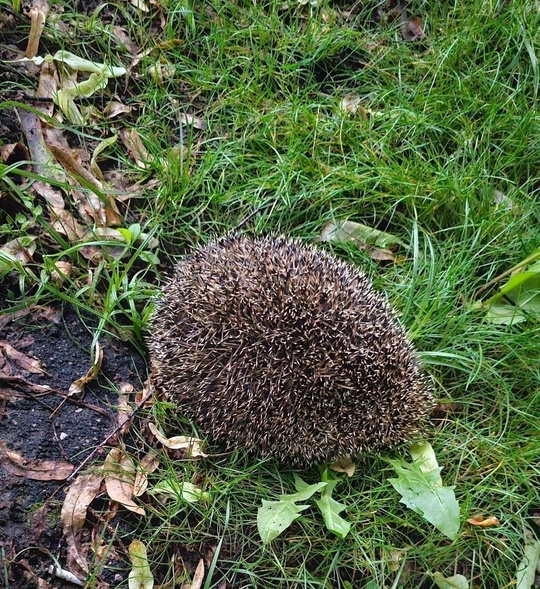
345, 465
79, 496
148, 464
29, 468
119, 473
37, 14
191, 445
78, 385
23, 361
482, 522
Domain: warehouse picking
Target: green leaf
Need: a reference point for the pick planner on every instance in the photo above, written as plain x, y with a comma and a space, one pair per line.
424, 494
455, 582
180, 490
331, 509
344, 231
519, 296
276, 516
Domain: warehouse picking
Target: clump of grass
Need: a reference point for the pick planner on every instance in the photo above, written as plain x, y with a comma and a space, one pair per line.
443, 153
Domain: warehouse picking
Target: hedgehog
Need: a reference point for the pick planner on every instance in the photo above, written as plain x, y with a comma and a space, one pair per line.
279, 348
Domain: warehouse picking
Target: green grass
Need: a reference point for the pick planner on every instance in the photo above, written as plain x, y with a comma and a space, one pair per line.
449, 122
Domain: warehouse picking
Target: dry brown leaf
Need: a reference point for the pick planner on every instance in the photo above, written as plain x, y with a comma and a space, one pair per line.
148, 464
345, 465
191, 445
352, 104
79, 496
61, 271
482, 522
31, 576
38, 15
21, 249
126, 40
412, 29
37, 470
66, 224
23, 361
13, 152
77, 386
114, 109
120, 479
195, 122
132, 140
198, 576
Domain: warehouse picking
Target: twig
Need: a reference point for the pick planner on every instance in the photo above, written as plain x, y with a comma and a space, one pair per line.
102, 445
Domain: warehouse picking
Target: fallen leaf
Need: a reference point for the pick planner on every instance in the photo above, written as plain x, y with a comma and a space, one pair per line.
79, 496
345, 465
38, 15
482, 522
195, 122
198, 576
115, 109
29, 468
352, 104
140, 576
192, 445
61, 271
20, 249
526, 570
119, 473
133, 143
412, 29
455, 582
147, 465
77, 386
23, 361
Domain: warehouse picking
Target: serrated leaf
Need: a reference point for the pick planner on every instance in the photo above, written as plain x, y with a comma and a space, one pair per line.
276, 516
455, 582
330, 509
422, 492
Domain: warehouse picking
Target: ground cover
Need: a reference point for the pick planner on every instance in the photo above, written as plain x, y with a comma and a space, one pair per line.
290, 118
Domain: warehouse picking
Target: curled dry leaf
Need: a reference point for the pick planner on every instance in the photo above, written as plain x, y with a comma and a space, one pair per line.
80, 494
345, 465
412, 29
78, 385
192, 445
482, 522
37, 470
132, 140
351, 104
38, 15
120, 479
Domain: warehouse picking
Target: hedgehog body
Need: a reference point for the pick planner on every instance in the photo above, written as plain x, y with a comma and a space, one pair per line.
280, 348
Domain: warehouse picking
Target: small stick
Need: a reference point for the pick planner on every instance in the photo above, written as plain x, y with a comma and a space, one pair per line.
102, 445
532, 258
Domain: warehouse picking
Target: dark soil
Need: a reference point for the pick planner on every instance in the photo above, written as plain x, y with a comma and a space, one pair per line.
50, 427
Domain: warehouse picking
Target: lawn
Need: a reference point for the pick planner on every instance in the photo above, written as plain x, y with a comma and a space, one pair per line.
403, 139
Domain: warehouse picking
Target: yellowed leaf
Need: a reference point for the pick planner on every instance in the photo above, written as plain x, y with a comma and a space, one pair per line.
191, 445
345, 465
482, 522
132, 140
140, 576
77, 386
